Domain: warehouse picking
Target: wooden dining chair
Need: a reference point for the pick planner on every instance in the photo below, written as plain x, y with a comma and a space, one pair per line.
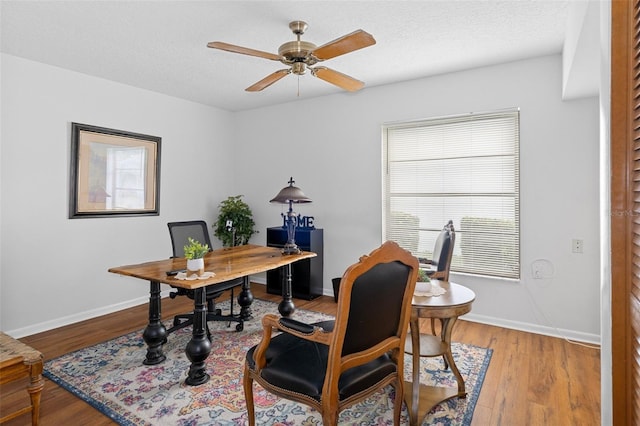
334, 364
439, 265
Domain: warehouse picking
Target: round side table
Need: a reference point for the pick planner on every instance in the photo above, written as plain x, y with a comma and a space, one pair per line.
456, 301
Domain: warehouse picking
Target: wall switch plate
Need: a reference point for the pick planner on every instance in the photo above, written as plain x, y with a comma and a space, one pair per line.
577, 246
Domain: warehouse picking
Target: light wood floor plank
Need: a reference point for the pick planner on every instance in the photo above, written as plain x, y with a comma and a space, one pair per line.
532, 379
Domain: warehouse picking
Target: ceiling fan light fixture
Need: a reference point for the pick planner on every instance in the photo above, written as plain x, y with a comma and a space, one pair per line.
298, 68
299, 55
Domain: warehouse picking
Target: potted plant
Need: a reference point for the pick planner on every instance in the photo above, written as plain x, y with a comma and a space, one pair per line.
424, 282
194, 253
235, 224
423, 277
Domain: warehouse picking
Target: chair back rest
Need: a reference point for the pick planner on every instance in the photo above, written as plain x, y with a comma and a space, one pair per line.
180, 233
443, 249
374, 303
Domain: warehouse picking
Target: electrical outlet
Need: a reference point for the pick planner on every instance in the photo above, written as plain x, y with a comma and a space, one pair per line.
577, 246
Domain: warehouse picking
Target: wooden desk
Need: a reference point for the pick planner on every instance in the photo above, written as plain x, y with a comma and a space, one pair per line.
17, 361
226, 264
420, 399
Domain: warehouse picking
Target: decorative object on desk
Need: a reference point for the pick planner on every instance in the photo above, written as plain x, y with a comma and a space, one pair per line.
194, 253
235, 224
289, 195
183, 276
110, 377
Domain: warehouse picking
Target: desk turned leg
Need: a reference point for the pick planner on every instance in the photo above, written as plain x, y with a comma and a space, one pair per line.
286, 306
155, 335
199, 346
245, 299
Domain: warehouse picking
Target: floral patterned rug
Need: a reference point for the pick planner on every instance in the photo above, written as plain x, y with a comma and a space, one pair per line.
111, 377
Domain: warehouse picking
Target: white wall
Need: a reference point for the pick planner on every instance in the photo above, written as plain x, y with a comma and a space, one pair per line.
54, 270
332, 147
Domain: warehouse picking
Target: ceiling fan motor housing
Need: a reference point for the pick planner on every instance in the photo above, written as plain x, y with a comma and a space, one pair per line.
296, 49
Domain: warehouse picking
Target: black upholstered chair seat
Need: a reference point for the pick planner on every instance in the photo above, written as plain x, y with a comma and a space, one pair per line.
210, 291
284, 370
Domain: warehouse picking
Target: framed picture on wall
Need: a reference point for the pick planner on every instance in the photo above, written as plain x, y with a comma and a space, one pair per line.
113, 173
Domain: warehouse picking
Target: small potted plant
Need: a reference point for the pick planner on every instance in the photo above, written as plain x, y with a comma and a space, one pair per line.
424, 282
235, 224
423, 277
194, 253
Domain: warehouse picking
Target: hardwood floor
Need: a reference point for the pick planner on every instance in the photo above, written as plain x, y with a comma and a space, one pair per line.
531, 380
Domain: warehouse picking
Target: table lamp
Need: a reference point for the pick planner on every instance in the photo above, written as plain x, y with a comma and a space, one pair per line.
289, 195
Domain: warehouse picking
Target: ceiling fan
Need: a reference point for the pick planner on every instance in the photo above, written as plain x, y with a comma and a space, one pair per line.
302, 55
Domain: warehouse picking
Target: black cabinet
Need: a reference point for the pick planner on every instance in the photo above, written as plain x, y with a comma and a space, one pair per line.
307, 273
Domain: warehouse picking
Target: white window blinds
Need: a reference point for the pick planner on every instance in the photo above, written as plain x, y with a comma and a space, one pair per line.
463, 168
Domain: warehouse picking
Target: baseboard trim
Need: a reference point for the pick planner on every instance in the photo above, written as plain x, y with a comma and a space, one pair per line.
80, 316
572, 335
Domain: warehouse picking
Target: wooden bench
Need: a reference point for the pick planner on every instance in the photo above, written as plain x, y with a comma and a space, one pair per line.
18, 361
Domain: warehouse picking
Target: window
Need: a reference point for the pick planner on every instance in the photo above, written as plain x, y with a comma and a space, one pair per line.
463, 168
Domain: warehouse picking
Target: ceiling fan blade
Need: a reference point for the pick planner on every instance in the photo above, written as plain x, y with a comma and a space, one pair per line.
345, 44
244, 50
268, 80
337, 78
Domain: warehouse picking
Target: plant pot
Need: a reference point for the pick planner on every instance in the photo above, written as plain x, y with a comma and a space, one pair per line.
195, 267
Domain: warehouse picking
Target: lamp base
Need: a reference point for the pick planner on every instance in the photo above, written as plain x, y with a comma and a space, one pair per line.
291, 248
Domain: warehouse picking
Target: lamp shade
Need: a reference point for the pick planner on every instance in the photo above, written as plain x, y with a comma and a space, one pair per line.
290, 194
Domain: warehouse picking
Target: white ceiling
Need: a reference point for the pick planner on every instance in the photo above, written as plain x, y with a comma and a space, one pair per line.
162, 45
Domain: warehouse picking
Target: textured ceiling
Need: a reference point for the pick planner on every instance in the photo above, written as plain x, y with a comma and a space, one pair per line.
161, 45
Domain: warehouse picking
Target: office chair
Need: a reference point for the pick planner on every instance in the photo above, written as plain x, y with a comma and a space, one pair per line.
197, 229
331, 365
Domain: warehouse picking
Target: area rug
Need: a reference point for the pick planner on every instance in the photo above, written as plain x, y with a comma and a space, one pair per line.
111, 377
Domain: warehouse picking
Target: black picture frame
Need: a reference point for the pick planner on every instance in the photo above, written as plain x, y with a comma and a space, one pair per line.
113, 173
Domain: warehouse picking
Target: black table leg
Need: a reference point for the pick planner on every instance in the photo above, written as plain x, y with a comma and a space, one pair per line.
286, 306
245, 299
199, 346
155, 334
